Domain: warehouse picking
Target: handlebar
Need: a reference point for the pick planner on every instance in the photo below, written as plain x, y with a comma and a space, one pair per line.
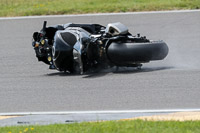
44, 26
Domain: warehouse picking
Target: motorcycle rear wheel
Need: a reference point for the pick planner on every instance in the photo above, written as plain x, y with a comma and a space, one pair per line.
130, 54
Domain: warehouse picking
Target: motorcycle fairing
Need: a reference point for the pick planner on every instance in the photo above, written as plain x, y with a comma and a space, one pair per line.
68, 45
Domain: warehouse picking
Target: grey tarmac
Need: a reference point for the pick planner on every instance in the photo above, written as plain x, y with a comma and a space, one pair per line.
27, 85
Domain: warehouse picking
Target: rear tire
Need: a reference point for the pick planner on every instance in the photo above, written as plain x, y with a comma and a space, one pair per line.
127, 54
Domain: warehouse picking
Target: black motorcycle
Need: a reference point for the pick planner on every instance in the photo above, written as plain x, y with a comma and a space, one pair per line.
78, 48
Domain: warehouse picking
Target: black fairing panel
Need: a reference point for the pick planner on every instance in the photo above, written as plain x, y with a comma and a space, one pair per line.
132, 53
63, 50
69, 38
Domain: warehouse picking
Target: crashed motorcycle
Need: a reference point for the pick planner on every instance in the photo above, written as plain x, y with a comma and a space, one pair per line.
79, 48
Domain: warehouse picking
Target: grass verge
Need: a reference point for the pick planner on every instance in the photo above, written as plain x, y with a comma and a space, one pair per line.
47, 7
134, 126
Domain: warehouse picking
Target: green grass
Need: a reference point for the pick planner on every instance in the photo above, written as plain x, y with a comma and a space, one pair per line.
46, 7
135, 126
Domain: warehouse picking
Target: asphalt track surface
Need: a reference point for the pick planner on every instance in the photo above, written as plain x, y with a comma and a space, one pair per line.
27, 85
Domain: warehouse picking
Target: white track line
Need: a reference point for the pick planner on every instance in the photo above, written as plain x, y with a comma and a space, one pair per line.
99, 112
99, 14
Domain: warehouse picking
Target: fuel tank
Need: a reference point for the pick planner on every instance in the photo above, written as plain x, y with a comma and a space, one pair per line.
126, 54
